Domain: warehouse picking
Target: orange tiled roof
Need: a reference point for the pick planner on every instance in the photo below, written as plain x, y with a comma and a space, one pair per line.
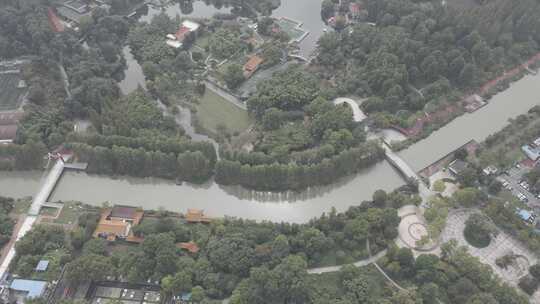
253, 63
118, 227
196, 216
189, 246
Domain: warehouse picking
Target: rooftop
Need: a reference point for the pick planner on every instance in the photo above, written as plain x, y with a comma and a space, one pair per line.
8, 133
532, 153
457, 166
33, 288
253, 63
537, 142
77, 5
196, 216
117, 223
192, 26
189, 246
524, 214
10, 118
42, 265
125, 212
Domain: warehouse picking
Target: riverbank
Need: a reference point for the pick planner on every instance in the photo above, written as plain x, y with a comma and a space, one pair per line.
471, 102
292, 207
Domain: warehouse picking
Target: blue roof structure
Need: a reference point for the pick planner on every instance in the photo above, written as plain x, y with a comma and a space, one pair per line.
524, 214
532, 153
34, 288
42, 265
185, 296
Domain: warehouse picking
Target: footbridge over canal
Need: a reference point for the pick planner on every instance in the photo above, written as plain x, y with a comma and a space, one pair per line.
399, 163
39, 201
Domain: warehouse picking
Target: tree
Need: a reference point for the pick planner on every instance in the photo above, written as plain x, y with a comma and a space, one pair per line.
180, 282
197, 294
234, 75
461, 154
429, 293
272, 55
286, 283
529, 284
224, 43
466, 197
494, 187
468, 177
379, 197
462, 290
194, 166
265, 25
439, 186
272, 119
231, 254
478, 230
89, 268
357, 229
534, 270
95, 246
357, 290
482, 298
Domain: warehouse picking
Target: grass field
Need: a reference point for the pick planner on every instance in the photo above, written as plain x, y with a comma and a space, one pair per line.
9, 93
214, 111
70, 213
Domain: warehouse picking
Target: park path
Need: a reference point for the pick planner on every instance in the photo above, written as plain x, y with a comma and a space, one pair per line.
226, 95
361, 263
358, 115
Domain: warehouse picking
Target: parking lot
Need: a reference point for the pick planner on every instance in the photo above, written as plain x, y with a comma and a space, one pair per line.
512, 182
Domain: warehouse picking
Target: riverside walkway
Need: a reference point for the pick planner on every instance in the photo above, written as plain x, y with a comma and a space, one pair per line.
39, 200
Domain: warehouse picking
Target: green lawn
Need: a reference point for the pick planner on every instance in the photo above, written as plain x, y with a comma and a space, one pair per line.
214, 110
70, 213
48, 211
22, 205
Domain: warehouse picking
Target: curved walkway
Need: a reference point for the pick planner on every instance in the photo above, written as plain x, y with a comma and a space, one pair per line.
358, 115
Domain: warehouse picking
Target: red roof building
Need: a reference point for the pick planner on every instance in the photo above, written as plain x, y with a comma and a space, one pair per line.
189, 246
355, 8
182, 32
252, 65
56, 25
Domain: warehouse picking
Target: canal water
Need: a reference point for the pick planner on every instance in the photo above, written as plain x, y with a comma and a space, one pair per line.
218, 200
518, 99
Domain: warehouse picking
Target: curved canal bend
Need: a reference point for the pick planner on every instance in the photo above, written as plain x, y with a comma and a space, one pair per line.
293, 207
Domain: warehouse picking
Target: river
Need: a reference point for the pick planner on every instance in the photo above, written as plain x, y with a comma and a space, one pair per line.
518, 99
292, 207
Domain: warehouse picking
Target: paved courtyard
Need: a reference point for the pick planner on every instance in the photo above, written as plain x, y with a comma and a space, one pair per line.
412, 229
500, 246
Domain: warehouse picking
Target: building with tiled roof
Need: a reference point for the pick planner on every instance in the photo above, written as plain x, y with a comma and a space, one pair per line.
189, 246
117, 223
252, 65
196, 216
